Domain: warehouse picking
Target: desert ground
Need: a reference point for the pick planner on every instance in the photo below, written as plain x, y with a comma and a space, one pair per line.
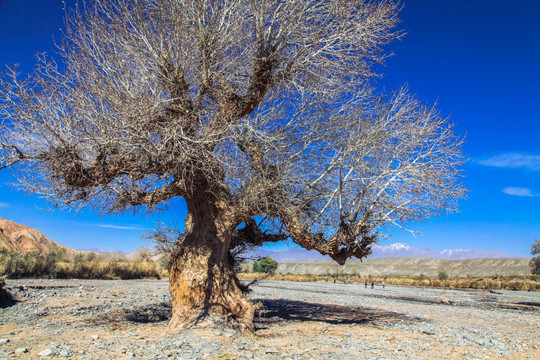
94, 319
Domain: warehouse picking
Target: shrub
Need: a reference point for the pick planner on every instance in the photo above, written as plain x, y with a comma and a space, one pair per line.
165, 261
266, 265
35, 263
443, 275
91, 256
81, 266
535, 261
143, 254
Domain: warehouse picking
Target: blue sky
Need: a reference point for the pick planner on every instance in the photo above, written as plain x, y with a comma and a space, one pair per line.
479, 59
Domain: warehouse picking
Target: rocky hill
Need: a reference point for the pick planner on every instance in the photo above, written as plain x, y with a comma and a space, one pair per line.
21, 238
410, 266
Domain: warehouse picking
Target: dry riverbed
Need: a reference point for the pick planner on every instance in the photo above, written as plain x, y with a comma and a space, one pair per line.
76, 319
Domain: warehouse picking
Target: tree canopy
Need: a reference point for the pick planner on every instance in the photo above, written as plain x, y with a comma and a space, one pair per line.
261, 114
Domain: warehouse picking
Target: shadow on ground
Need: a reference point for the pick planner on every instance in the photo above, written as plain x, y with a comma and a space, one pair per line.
154, 313
150, 314
276, 311
6, 299
273, 312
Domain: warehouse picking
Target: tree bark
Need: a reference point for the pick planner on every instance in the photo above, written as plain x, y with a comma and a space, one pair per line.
202, 282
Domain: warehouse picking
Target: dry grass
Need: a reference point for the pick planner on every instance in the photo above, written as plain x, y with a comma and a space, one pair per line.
80, 266
524, 282
109, 270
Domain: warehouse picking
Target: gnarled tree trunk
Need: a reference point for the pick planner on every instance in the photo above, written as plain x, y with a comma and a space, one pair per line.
202, 282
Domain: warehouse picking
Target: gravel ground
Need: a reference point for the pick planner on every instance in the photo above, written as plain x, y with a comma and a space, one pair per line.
79, 319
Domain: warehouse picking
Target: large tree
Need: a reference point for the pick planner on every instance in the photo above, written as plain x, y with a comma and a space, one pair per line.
261, 114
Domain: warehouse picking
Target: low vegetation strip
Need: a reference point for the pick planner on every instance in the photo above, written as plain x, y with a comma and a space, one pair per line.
89, 265
517, 282
491, 274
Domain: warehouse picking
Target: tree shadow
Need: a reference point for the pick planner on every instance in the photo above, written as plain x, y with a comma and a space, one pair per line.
277, 311
528, 303
6, 299
153, 313
150, 314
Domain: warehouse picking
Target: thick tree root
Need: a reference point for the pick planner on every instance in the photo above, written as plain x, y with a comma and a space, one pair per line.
208, 319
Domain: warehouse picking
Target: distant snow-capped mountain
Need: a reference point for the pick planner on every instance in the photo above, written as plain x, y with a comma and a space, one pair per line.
382, 251
401, 250
461, 254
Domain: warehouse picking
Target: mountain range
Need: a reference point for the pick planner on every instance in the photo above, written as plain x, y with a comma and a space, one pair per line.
21, 238
382, 251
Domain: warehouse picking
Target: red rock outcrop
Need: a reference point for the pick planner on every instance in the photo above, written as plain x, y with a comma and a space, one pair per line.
21, 238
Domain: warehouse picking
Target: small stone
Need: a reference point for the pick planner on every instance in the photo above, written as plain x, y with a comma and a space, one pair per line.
21, 350
498, 344
65, 353
3, 341
94, 337
46, 352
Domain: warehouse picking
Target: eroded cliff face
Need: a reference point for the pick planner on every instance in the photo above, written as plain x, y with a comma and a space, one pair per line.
21, 238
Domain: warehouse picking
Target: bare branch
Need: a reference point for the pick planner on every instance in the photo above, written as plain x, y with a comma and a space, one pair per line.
247, 109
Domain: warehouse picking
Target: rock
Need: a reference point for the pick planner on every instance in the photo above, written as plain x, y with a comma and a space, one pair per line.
3, 341
64, 353
46, 352
498, 344
94, 337
22, 350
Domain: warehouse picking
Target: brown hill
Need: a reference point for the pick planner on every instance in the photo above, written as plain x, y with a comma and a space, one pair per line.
410, 266
21, 238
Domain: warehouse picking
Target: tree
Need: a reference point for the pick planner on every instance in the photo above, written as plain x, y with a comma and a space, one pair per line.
143, 254
261, 114
266, 265
443, 275
535, 261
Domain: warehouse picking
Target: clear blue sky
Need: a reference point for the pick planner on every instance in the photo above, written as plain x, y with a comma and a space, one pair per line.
480, 59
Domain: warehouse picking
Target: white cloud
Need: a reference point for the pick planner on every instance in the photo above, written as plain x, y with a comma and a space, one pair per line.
519, 191
121, 227
4, 205
513, 160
